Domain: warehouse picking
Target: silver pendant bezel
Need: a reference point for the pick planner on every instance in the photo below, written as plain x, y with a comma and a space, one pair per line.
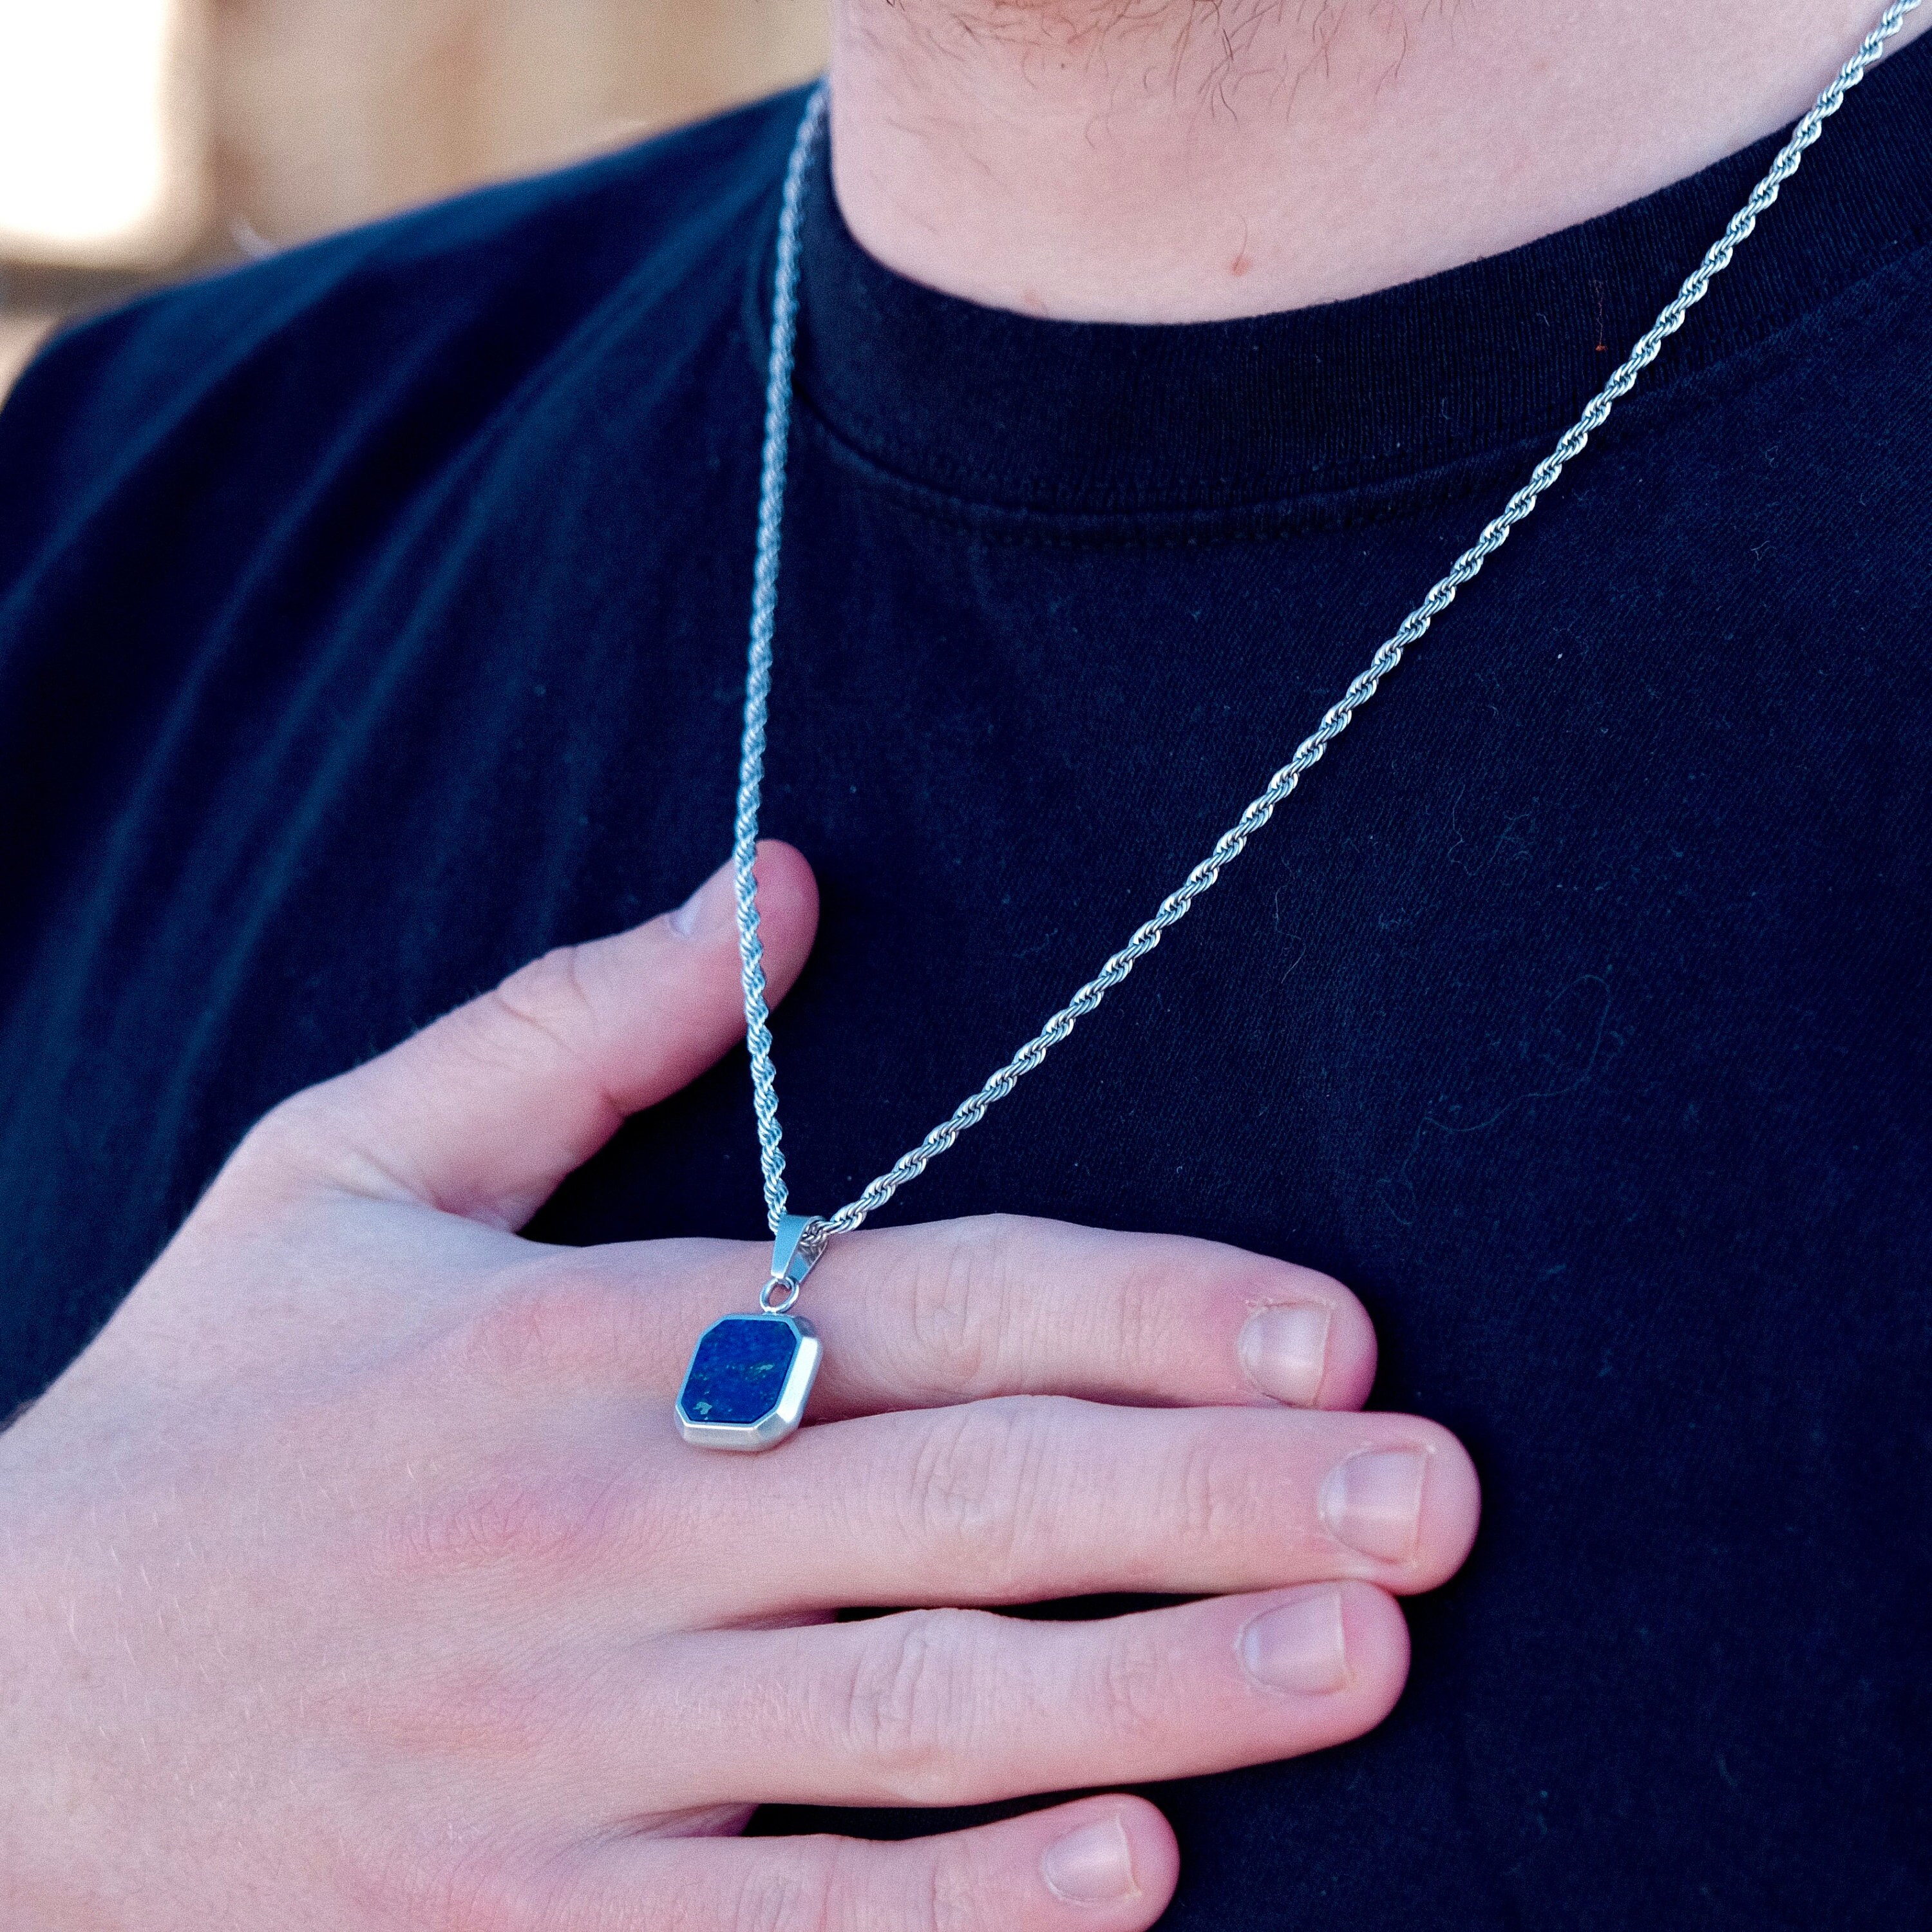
783, 1417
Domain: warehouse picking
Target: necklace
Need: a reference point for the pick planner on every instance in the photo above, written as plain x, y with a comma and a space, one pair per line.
751, 1374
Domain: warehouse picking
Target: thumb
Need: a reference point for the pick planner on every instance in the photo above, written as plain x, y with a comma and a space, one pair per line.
484, 1112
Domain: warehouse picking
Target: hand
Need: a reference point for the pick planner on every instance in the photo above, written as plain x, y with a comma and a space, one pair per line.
357, 1578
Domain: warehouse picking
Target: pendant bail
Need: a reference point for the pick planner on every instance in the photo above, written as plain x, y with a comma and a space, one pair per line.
799, 1241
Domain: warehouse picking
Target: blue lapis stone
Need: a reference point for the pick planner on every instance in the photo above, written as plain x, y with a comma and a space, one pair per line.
739, 1370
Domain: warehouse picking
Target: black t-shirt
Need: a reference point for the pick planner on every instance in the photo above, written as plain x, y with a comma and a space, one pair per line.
373, 619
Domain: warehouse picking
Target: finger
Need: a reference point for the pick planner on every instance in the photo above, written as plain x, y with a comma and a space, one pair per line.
1103, 1865
928, 1316
484, 1112
1028, 1498
923, 1317
966, 1707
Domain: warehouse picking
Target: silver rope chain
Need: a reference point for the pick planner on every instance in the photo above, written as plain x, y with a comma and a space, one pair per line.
1231, 844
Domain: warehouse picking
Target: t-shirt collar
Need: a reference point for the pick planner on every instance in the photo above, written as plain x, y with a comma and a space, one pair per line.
1004, 409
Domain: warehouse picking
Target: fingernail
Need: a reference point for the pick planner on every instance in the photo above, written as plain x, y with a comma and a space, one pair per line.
1093, 1866
1300, 1646
709, 909
1373, 1502
1285, 1350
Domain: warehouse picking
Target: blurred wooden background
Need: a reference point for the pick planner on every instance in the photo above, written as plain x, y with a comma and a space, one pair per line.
279, 120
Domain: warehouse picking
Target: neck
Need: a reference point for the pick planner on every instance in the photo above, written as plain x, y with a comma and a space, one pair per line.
1177, 160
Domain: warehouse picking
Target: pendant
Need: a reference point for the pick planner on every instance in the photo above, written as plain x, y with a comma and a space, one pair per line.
750, 1374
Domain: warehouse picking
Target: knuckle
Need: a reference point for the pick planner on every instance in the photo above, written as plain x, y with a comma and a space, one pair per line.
1140, 1313
953, 1900
961, 1295
1213, 1493
1135, 1691
556, 1523
469, 1890
296, 1136
908, 1706
285, 1129
978, 1493
561, 1318
317, 1135
548, 996
478, 1712
797, 1896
